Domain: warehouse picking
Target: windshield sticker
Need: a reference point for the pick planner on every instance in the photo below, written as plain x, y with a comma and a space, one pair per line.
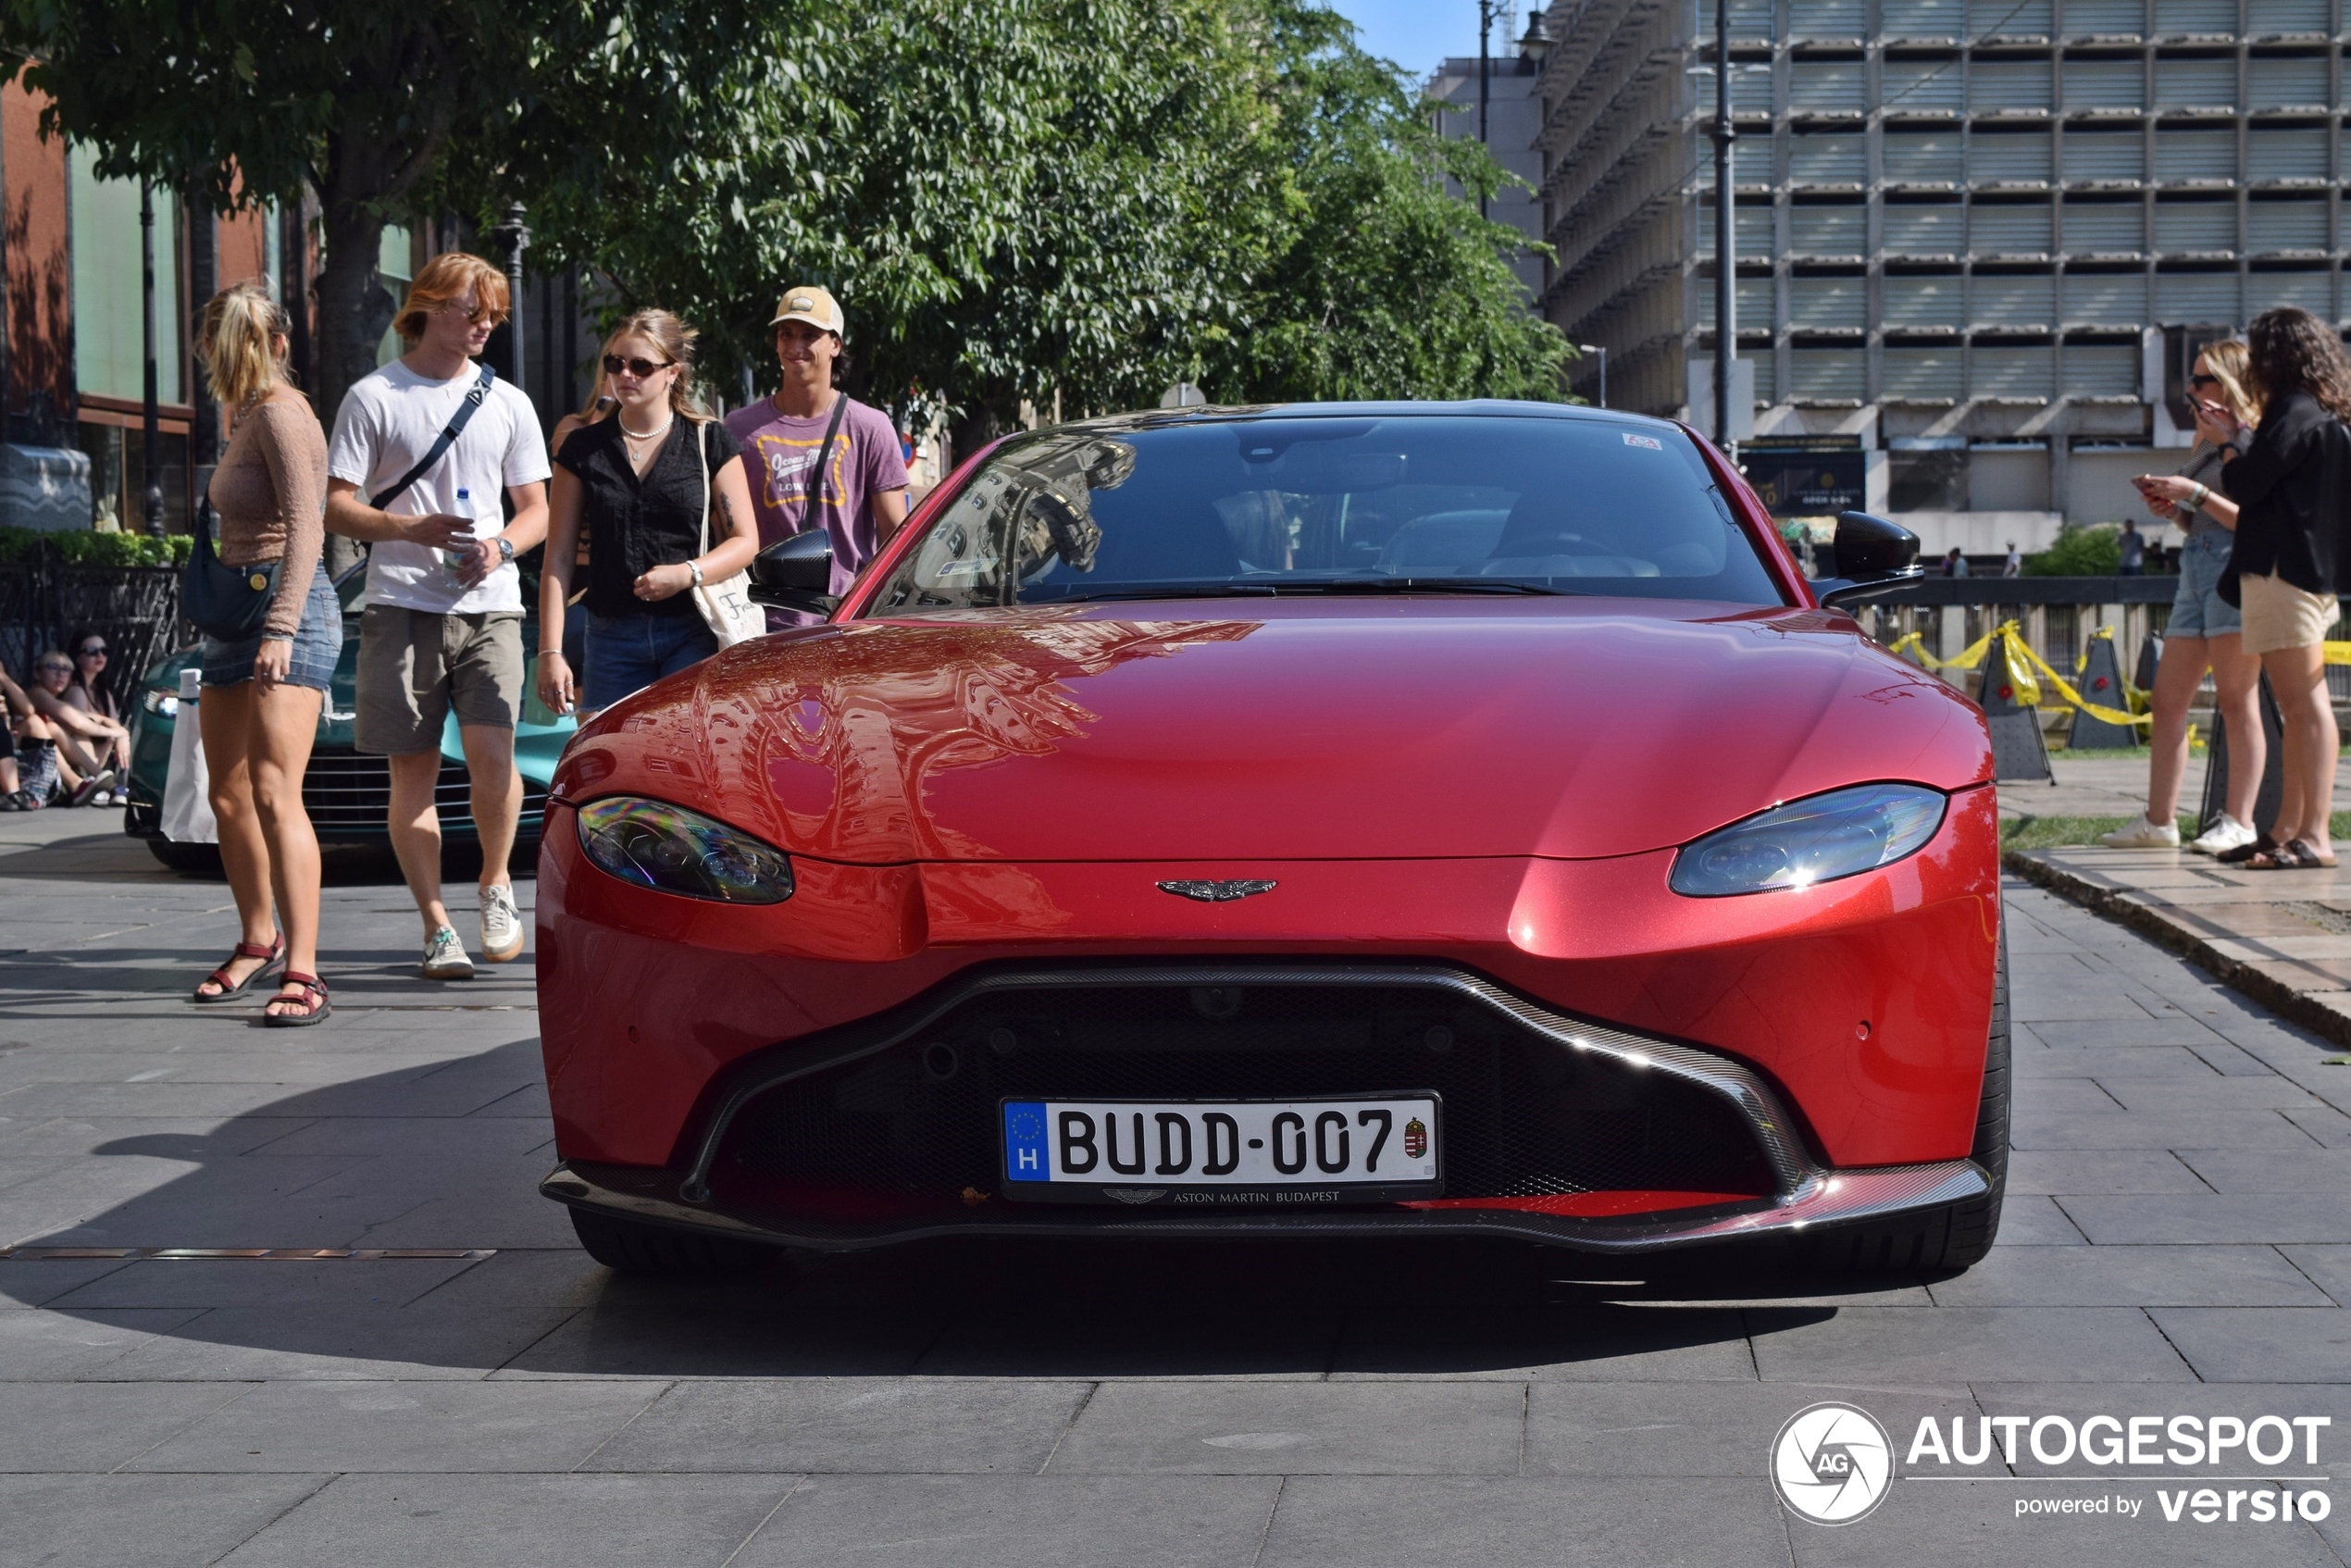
1649, 441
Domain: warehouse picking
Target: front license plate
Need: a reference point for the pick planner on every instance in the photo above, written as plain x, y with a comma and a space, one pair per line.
1223, 1152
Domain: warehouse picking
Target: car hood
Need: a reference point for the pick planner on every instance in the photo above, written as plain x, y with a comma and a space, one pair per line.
1300, 730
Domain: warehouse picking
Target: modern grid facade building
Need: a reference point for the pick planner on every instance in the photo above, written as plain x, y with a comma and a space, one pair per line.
1973, 236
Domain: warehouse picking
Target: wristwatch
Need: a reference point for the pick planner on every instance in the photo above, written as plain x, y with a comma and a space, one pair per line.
505, 550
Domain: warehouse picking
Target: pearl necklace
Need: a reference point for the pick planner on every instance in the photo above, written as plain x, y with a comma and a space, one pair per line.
649, 435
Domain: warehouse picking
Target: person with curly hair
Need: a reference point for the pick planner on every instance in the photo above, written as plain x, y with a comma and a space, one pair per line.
2292, 482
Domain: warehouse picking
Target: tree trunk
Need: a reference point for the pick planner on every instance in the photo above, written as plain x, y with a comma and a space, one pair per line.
354, 310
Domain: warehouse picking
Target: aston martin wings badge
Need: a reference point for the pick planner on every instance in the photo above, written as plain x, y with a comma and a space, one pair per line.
1216, 892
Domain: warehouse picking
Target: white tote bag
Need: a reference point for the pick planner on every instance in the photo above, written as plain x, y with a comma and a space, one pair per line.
724, 604
186, 788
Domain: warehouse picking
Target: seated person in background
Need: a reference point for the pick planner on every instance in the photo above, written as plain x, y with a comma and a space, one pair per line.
91, 692
32, 770
85, 742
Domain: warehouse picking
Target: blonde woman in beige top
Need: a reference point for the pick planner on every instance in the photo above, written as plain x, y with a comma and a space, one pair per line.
262, 693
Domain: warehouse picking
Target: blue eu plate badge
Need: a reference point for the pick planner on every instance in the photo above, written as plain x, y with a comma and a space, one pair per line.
1025, 1141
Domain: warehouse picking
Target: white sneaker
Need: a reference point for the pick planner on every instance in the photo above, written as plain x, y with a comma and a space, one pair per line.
445, 958
2225, 834
2143, 835
500, 924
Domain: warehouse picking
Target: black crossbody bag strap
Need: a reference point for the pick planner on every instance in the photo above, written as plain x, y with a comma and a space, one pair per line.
474, 397
824, 453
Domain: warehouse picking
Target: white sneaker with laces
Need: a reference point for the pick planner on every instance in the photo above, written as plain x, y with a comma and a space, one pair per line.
445, 957
500, 924
2225, 834
2143, 835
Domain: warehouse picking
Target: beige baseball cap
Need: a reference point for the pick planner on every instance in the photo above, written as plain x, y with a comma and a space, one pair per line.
811, 305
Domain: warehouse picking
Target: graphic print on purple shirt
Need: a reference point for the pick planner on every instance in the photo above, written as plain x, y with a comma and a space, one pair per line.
779, 455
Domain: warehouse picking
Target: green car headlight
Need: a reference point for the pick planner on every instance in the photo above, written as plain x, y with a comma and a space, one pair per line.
671, 850
1820, 839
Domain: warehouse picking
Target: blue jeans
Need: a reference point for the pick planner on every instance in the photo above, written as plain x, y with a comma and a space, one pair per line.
628, 653
2197, 609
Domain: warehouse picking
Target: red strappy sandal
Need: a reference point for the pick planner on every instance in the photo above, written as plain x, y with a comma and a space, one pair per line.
315, 1004
270, 957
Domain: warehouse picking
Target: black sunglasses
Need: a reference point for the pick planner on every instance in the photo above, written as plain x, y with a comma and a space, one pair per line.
97, 649
2203, 381
640, 369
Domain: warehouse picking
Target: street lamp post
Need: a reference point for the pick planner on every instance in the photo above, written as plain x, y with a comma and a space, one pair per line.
1486, 9
1601, 350
151, 423
1726, 254
517, 236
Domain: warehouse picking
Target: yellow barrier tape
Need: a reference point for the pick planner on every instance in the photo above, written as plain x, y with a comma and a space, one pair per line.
2026, 669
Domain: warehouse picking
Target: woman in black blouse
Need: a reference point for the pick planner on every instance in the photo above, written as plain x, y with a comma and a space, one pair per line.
2292, 485
635, 482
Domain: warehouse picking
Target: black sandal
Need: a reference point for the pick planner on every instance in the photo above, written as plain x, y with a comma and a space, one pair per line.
2262, 844
270, 957
317, 1006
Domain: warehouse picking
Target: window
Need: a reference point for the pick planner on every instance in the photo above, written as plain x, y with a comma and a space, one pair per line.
2102, 369
1927, 372
2314, 292
2009, 156
2195, 296
1578, 503
2009, 19
1912, 156
1928, 477
1923, 19
2285, 226
392, 260
2287, 16
1825, 375
1753, 303
1830, 18
2011, 300
1749, 19
2176, 17
2195, 226
1916, 86
2296, 81
1828, 160
1826, 85
2194, 154
2105, 299
1924, 229
2012, 373
1827, 302
1751, 227
1837, 230
2195, 84
109, 346
2111, 227
2299, 153
2105, 84
1931, 301
2009, 84
2005, 228
2104, 155
2104, 18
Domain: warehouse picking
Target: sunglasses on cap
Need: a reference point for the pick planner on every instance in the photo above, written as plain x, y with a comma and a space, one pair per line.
640, 369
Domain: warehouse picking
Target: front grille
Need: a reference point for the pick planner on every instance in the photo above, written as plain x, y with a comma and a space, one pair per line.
350, 791
908, 1129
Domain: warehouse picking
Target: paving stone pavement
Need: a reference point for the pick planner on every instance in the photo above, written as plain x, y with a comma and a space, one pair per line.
2178, 1243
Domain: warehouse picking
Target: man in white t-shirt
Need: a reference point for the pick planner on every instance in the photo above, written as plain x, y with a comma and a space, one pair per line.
442, 628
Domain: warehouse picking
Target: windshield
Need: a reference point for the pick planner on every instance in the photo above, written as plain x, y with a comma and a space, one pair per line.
1413, 502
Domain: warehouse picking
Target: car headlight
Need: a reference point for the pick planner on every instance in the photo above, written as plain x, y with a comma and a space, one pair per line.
671, 850
160, 700
1842, 833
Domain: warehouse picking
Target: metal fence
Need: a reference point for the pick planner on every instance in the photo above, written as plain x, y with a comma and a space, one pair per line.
44, 602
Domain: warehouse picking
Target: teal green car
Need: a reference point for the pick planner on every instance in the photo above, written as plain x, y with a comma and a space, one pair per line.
347, 792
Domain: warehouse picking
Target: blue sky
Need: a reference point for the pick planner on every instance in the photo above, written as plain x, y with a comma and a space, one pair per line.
1416, 34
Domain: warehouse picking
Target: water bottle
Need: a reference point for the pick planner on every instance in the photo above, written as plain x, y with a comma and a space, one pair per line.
453, 560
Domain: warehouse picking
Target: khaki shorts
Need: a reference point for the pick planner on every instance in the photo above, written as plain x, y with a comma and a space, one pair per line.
415, 665
2278, 614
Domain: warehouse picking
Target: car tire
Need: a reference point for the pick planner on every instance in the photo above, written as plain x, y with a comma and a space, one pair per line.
632, 1247
202, 859
1957, 1235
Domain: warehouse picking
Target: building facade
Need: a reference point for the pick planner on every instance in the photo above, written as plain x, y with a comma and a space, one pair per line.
1513, 127
1976, 239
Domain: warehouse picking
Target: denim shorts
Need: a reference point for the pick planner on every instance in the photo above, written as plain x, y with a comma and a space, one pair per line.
317, 644
2197, 609
628, 653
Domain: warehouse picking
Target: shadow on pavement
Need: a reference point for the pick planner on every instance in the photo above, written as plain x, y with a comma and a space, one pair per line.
353, 1163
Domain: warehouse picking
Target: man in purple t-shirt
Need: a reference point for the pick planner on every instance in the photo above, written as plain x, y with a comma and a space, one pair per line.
859, 495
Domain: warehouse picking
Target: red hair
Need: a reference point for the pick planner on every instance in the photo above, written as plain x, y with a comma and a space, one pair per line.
445, 278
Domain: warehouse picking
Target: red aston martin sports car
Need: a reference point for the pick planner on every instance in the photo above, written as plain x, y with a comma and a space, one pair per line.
1319, 820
